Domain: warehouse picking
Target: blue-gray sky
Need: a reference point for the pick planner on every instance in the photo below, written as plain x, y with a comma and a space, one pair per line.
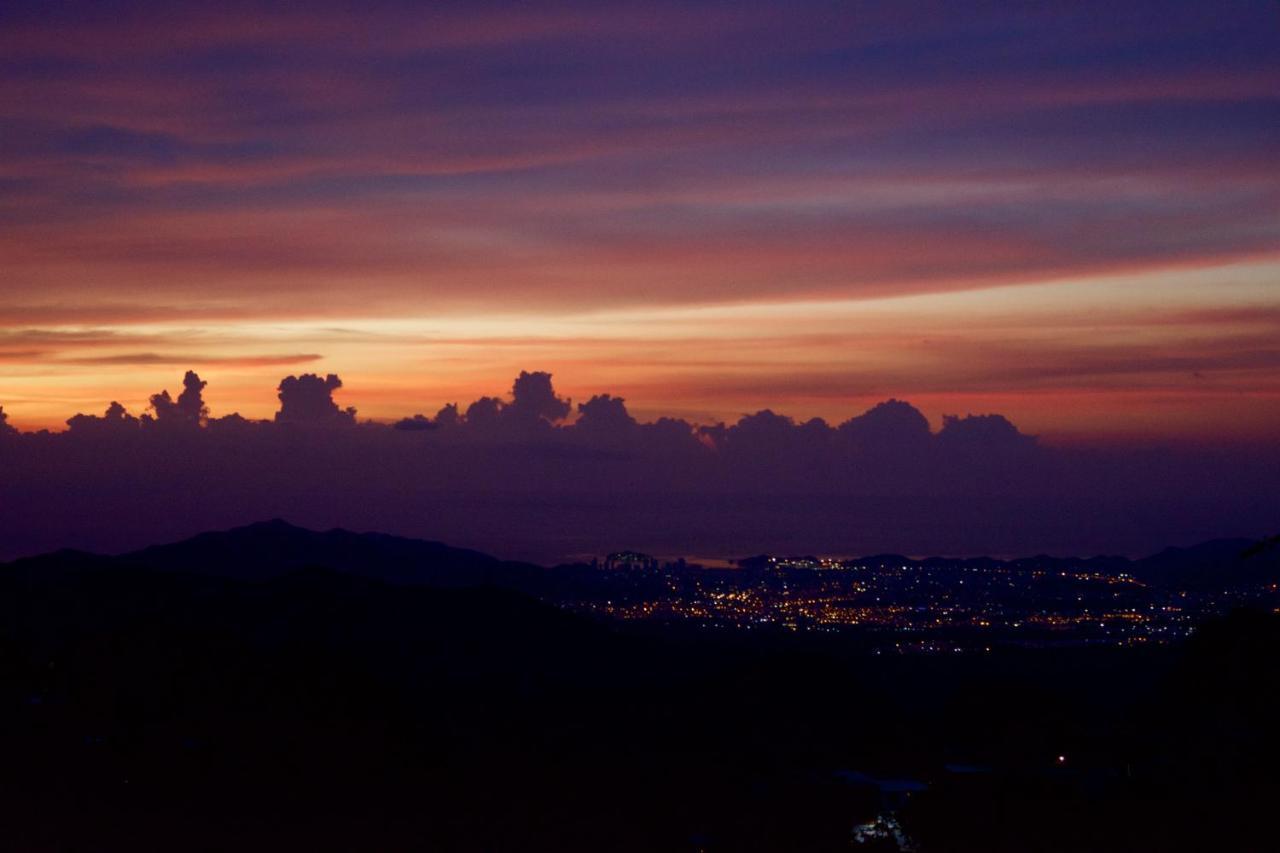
1066, 212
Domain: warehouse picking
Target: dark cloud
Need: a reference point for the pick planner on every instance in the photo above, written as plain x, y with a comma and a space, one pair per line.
524, 485
534, 401
6, 429
484, 414
116, 420
417, 423
982, 434
891, 426
233, 424
448, 416
672, 437
605, 417
188, 410
308, 399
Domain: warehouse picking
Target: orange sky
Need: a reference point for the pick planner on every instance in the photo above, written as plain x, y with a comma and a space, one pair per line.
1163, 363
705, 212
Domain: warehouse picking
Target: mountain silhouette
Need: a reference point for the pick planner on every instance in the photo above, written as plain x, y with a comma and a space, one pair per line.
271, 686
272, 549
1218, 563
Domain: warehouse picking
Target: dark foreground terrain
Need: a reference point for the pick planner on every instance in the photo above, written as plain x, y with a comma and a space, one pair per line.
269, 692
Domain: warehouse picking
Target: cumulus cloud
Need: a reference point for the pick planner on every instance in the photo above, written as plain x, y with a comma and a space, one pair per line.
234, 423
893, 425
604, 415
528, 484
308, 399
674, 436
982, 433
484, 414
417, 423
188, 410
116, 419
534, 400
448, 416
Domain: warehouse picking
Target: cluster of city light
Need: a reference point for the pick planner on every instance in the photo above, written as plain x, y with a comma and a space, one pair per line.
944, 607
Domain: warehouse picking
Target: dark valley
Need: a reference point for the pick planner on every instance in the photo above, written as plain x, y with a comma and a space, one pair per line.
274, 687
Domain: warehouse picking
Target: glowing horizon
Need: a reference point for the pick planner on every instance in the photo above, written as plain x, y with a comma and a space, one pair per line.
1070, 217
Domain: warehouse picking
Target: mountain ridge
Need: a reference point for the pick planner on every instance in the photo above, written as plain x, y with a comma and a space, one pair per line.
274, 548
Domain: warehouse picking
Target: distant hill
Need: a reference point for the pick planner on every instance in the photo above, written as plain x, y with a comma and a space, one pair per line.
272, 687
1218, 563
274, 549
169, 705
1224, 563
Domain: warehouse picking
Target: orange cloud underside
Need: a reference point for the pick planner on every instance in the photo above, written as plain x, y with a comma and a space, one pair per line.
1073, 222
1185, 354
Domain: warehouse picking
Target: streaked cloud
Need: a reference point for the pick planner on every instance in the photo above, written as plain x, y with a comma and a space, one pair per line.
193, 360
707, 208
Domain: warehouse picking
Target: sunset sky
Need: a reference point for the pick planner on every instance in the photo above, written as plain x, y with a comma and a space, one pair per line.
1066, 213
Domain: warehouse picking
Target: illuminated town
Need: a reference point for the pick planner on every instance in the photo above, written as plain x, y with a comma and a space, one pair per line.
909, 606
